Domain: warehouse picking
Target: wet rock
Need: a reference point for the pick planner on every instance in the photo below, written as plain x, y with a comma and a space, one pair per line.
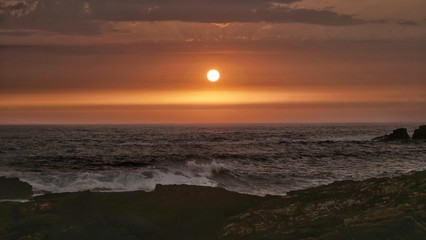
378, 208
397, 134
13, 188
420, 133
384, 208
169, 212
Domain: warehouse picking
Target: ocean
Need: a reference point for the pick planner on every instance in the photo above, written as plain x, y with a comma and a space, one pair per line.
254, 159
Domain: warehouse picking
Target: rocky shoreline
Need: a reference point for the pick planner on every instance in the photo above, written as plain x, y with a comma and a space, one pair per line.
402, 134
378, 208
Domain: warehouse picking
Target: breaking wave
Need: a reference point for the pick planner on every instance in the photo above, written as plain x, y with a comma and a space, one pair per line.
116, 180
259, 160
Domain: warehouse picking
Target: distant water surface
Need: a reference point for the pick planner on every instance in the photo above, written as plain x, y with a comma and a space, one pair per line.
254, 159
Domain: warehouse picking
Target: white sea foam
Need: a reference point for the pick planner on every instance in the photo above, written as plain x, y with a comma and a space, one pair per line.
15, 200
238, 178
205, 169
145, 179
119, 180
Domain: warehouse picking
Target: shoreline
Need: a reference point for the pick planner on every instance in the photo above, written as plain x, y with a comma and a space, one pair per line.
25, 188
378, 208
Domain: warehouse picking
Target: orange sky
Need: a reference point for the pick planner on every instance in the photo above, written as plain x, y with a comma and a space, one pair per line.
117, 66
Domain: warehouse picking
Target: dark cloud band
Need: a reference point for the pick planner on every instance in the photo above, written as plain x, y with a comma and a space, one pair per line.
217, 11
85, 15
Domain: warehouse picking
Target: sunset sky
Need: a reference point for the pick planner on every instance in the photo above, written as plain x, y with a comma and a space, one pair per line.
145, 61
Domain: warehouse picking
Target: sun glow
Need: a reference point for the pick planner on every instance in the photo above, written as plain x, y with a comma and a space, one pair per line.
213, 75
153, 98
170, 98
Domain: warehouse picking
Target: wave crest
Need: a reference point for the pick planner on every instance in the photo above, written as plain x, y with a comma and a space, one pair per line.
205, 169
116, 181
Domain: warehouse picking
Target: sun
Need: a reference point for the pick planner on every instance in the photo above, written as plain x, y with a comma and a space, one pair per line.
213, 75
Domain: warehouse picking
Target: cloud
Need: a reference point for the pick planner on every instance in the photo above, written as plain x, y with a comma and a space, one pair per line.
86, 16
16, 6
214, 11
408, 23
58, 16
16, 33
13, 8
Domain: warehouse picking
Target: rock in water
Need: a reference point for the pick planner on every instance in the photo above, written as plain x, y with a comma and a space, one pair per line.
420, 133
397, 134
13, 188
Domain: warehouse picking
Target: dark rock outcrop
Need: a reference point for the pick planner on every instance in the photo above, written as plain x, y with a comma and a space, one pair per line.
385, 208
420, 133
169, 212
397, 134
13, 188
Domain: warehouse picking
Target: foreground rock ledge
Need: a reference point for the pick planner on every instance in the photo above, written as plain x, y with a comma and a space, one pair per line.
386, 208
372, 209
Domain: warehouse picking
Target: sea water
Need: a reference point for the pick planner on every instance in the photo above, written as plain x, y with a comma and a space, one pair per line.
254, 159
